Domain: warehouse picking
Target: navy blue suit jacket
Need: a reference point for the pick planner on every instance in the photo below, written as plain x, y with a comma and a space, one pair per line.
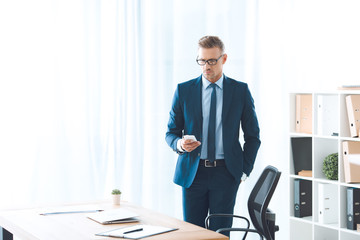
186, 119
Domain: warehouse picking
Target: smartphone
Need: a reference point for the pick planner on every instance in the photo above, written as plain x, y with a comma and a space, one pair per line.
191, 137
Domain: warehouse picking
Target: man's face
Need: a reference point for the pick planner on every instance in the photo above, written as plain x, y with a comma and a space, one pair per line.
212, 72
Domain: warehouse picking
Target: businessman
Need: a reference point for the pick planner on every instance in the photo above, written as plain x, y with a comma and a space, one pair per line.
212, 107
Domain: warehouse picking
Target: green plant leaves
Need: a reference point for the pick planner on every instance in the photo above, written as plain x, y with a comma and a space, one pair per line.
330, 166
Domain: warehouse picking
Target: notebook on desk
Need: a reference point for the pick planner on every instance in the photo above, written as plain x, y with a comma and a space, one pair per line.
114, 216
136, 232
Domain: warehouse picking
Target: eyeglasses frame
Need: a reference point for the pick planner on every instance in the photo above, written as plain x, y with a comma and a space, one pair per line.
207, 61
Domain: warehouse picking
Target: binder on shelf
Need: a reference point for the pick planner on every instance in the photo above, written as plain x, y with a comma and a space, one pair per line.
327, 199
353, 208
302, 153
353, 110
302, 198
327, 112
303, 113
351, 156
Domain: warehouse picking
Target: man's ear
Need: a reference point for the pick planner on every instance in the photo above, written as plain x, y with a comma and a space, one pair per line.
224, 58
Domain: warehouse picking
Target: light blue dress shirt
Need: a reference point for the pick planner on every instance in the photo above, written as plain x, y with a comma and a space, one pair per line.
206, 98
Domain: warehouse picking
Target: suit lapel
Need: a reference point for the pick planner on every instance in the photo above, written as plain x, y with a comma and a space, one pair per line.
227, 96
198, 99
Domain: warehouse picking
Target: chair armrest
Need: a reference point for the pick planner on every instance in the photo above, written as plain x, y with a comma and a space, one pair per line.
240, 230
207, 219
270, 215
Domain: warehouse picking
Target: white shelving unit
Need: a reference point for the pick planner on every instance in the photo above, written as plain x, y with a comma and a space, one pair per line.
323, 144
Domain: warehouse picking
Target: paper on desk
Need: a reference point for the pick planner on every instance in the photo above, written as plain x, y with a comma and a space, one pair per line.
70, 209
147, 230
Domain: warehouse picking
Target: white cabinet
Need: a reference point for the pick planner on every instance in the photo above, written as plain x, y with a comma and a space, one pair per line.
330, 127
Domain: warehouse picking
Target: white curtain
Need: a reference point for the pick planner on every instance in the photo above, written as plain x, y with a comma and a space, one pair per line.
86, 87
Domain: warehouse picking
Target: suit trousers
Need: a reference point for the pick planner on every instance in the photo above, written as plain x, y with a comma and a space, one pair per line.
213, 191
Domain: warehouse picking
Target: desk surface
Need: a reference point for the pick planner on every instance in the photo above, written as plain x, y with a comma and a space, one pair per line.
29, 224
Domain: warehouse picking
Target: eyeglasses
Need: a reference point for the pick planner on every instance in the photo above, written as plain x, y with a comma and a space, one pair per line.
202, 62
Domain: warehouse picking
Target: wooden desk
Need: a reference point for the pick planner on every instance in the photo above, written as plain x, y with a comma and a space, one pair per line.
30, 225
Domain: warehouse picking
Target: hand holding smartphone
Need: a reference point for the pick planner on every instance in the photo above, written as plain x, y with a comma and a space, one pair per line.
189, 143
190, 137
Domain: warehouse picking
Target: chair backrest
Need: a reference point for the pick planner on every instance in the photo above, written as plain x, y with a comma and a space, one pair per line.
259, 199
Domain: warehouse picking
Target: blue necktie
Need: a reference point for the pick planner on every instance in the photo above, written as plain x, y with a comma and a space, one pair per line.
212, 121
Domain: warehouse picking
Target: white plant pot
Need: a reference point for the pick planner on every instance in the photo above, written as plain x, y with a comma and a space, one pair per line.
116, 199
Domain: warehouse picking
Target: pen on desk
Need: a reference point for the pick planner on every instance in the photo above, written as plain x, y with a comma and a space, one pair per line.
135, 230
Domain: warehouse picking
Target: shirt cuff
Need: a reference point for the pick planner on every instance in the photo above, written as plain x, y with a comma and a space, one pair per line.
178, 146
243, 177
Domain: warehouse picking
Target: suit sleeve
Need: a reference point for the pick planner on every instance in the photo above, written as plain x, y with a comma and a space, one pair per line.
176, 122
251, 130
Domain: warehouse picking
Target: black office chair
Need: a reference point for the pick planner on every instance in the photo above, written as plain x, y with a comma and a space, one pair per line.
261, 217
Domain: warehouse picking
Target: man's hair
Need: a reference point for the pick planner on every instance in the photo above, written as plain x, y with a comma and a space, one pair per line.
211, 42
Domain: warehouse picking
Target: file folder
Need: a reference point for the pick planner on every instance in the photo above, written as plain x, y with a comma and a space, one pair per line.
119, 215
353, 207
351, 157
305, 173
353, 110
328, 200
303, 113
302, 153
327, 112
349, 87
302, 198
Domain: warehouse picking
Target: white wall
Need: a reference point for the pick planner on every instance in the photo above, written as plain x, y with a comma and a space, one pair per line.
84, 84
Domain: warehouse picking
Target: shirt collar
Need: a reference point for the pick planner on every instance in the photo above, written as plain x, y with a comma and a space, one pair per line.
219, 82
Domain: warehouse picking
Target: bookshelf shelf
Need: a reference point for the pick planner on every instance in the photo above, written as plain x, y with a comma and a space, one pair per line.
328, 134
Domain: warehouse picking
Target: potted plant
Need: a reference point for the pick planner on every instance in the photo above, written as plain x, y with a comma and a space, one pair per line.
330, 166
116, 193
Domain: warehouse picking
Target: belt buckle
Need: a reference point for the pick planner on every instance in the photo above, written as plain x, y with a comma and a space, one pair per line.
210, 164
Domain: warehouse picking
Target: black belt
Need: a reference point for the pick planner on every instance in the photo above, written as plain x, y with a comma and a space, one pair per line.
216, 163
